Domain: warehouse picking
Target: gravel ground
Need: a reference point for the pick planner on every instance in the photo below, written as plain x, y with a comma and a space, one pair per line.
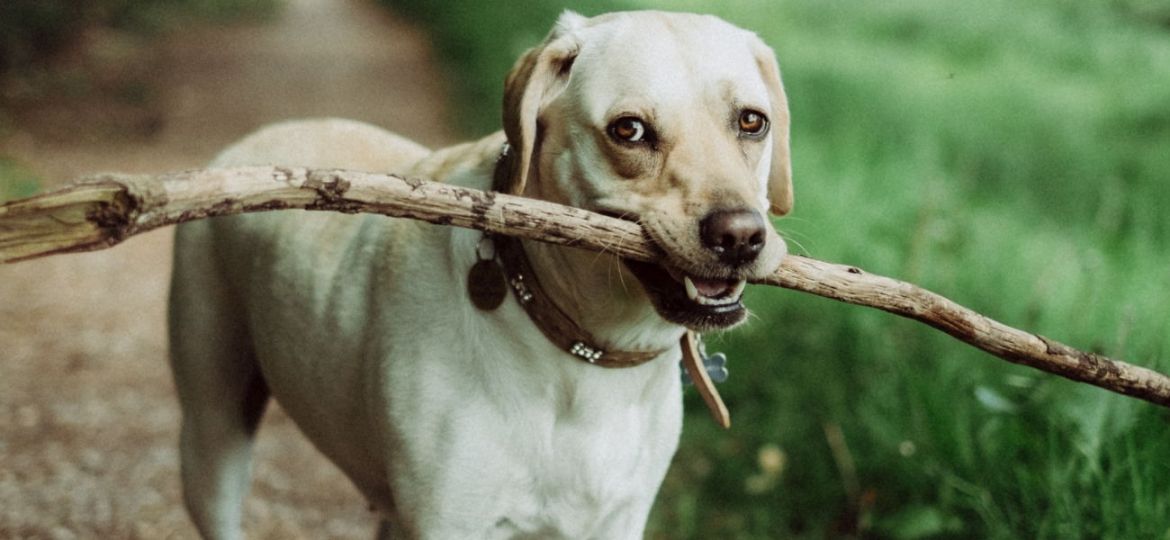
88, 417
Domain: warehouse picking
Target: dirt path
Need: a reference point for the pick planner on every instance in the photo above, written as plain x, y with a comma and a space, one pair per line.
88, 419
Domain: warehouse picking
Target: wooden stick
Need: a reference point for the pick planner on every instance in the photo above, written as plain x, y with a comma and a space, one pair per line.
104, 210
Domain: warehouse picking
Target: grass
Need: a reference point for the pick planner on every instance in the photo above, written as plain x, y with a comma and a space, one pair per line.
1011, 155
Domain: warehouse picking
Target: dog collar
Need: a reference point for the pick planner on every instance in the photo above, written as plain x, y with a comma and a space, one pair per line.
556, 325
553, 322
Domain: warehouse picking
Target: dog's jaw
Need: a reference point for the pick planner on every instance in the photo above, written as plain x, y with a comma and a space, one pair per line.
697, 303
689, 287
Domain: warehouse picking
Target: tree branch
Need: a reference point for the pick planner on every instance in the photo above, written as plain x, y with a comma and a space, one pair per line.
103, 210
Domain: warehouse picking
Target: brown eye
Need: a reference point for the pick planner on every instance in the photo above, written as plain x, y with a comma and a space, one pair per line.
753, 123
628, 129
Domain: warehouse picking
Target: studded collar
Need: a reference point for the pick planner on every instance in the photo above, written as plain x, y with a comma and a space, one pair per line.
553, 322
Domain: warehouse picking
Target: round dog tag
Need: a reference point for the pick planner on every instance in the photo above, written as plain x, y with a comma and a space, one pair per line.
486, 285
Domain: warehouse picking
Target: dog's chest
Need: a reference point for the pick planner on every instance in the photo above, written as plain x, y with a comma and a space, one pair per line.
590, 468
547, 448
587, 477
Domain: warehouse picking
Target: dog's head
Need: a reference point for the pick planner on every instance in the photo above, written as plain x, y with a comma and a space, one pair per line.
677, 121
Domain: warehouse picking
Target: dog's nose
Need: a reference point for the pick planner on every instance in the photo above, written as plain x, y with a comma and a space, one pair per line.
735, 236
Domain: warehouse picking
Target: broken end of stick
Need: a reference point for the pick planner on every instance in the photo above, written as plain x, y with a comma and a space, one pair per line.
83, 217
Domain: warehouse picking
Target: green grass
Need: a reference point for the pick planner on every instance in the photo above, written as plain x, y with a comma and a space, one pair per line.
1014, 156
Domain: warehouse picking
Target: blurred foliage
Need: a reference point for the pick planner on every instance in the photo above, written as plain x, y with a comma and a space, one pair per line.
1012, 155
33, 30
37, 37
479, 41
16, 181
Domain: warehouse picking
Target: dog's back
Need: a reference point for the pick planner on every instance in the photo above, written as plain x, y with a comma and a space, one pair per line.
233, 274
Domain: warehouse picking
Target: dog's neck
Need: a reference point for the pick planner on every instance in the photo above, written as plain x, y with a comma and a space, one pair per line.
587, 306
555, 321
584, 304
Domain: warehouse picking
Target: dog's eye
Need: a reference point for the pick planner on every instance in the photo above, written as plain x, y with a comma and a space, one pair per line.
753, 123
629, 129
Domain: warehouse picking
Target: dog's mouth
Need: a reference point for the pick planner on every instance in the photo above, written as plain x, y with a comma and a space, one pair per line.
697, 302
701, 303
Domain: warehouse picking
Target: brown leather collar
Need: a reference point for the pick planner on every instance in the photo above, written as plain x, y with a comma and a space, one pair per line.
552, 321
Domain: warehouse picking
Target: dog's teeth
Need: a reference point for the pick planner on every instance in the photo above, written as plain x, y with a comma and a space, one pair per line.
705, 301
729, 296
692, 291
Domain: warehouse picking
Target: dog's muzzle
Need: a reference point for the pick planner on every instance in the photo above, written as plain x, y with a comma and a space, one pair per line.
714, 299
736, 237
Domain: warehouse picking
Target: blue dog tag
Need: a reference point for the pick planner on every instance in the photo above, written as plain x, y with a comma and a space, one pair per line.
715, 364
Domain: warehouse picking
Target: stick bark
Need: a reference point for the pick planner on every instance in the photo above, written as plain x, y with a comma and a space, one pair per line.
103, 210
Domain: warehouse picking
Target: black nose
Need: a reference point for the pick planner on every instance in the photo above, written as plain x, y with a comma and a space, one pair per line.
735, 236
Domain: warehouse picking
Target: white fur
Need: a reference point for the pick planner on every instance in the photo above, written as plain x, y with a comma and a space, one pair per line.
454, 422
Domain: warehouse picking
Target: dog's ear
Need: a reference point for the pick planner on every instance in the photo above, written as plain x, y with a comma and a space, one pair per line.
780, 180
538, 76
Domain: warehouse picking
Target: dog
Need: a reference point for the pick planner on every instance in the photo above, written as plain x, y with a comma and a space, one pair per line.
432, 364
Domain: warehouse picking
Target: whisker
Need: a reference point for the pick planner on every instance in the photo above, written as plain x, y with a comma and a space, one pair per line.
800, 246
618, 244
793, 237
614, 266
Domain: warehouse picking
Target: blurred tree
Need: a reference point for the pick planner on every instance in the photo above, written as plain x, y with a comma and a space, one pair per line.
31, 30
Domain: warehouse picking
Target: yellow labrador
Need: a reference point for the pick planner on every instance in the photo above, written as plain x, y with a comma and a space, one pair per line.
502, 416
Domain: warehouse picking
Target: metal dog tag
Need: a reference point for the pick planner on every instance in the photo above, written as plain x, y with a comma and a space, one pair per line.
698, 370
485, 280
715, 365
